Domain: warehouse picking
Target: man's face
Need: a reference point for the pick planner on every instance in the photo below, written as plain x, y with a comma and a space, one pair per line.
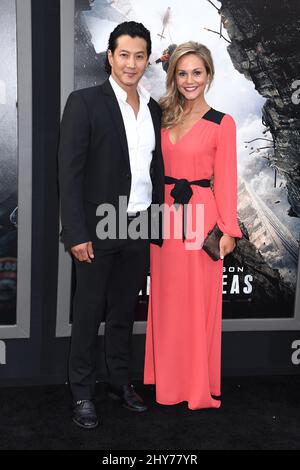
128, 61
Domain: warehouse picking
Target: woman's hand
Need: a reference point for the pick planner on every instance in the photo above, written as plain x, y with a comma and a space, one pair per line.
227, 245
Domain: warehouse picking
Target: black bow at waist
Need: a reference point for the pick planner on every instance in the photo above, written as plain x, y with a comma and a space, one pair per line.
182, 191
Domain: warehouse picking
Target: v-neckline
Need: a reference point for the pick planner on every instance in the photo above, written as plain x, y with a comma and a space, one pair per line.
190, 129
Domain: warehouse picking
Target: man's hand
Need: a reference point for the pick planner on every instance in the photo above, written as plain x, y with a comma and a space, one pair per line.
227, 245
83, 252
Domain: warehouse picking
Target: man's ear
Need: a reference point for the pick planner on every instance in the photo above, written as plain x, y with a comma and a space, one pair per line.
109, 56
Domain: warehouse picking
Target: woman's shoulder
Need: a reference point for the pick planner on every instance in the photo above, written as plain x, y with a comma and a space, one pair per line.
218, 117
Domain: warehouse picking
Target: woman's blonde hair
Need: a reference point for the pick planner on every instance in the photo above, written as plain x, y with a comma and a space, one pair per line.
172, 103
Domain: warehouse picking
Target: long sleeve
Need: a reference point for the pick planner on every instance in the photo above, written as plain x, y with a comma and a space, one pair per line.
225, 178
72, 156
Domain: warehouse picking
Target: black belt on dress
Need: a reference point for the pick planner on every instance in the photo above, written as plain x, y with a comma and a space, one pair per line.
182, 193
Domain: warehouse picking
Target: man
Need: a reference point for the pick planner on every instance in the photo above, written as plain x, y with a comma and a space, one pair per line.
109, 148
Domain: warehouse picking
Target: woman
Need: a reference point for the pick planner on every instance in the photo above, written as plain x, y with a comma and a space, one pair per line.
183, 344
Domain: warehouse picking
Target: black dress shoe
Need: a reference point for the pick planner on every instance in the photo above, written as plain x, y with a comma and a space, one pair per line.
128, 397
84, 414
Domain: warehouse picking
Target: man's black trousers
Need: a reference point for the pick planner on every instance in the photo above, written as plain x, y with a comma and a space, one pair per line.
106, 289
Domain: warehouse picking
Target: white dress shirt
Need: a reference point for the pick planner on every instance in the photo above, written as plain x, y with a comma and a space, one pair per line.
141, 143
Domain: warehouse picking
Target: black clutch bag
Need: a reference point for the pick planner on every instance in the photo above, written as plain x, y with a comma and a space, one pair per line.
211, 243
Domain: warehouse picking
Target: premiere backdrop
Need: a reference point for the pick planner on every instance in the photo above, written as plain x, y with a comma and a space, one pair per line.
15, 169
8, 163
51, 47
260, 278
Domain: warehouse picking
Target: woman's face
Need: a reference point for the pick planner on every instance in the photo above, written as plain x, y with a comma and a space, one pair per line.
191, 76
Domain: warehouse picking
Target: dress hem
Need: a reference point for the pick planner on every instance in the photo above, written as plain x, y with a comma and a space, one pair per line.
217, 402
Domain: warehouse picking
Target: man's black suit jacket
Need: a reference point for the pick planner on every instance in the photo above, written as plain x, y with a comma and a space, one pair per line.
94, 165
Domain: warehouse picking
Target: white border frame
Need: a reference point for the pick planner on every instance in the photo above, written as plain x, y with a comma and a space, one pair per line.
24, 91
63, 327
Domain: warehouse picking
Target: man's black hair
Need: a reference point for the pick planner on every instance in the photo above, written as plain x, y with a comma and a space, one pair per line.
129, 28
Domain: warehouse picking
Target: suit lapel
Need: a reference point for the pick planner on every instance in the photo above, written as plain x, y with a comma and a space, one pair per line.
155, 120
116, 115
